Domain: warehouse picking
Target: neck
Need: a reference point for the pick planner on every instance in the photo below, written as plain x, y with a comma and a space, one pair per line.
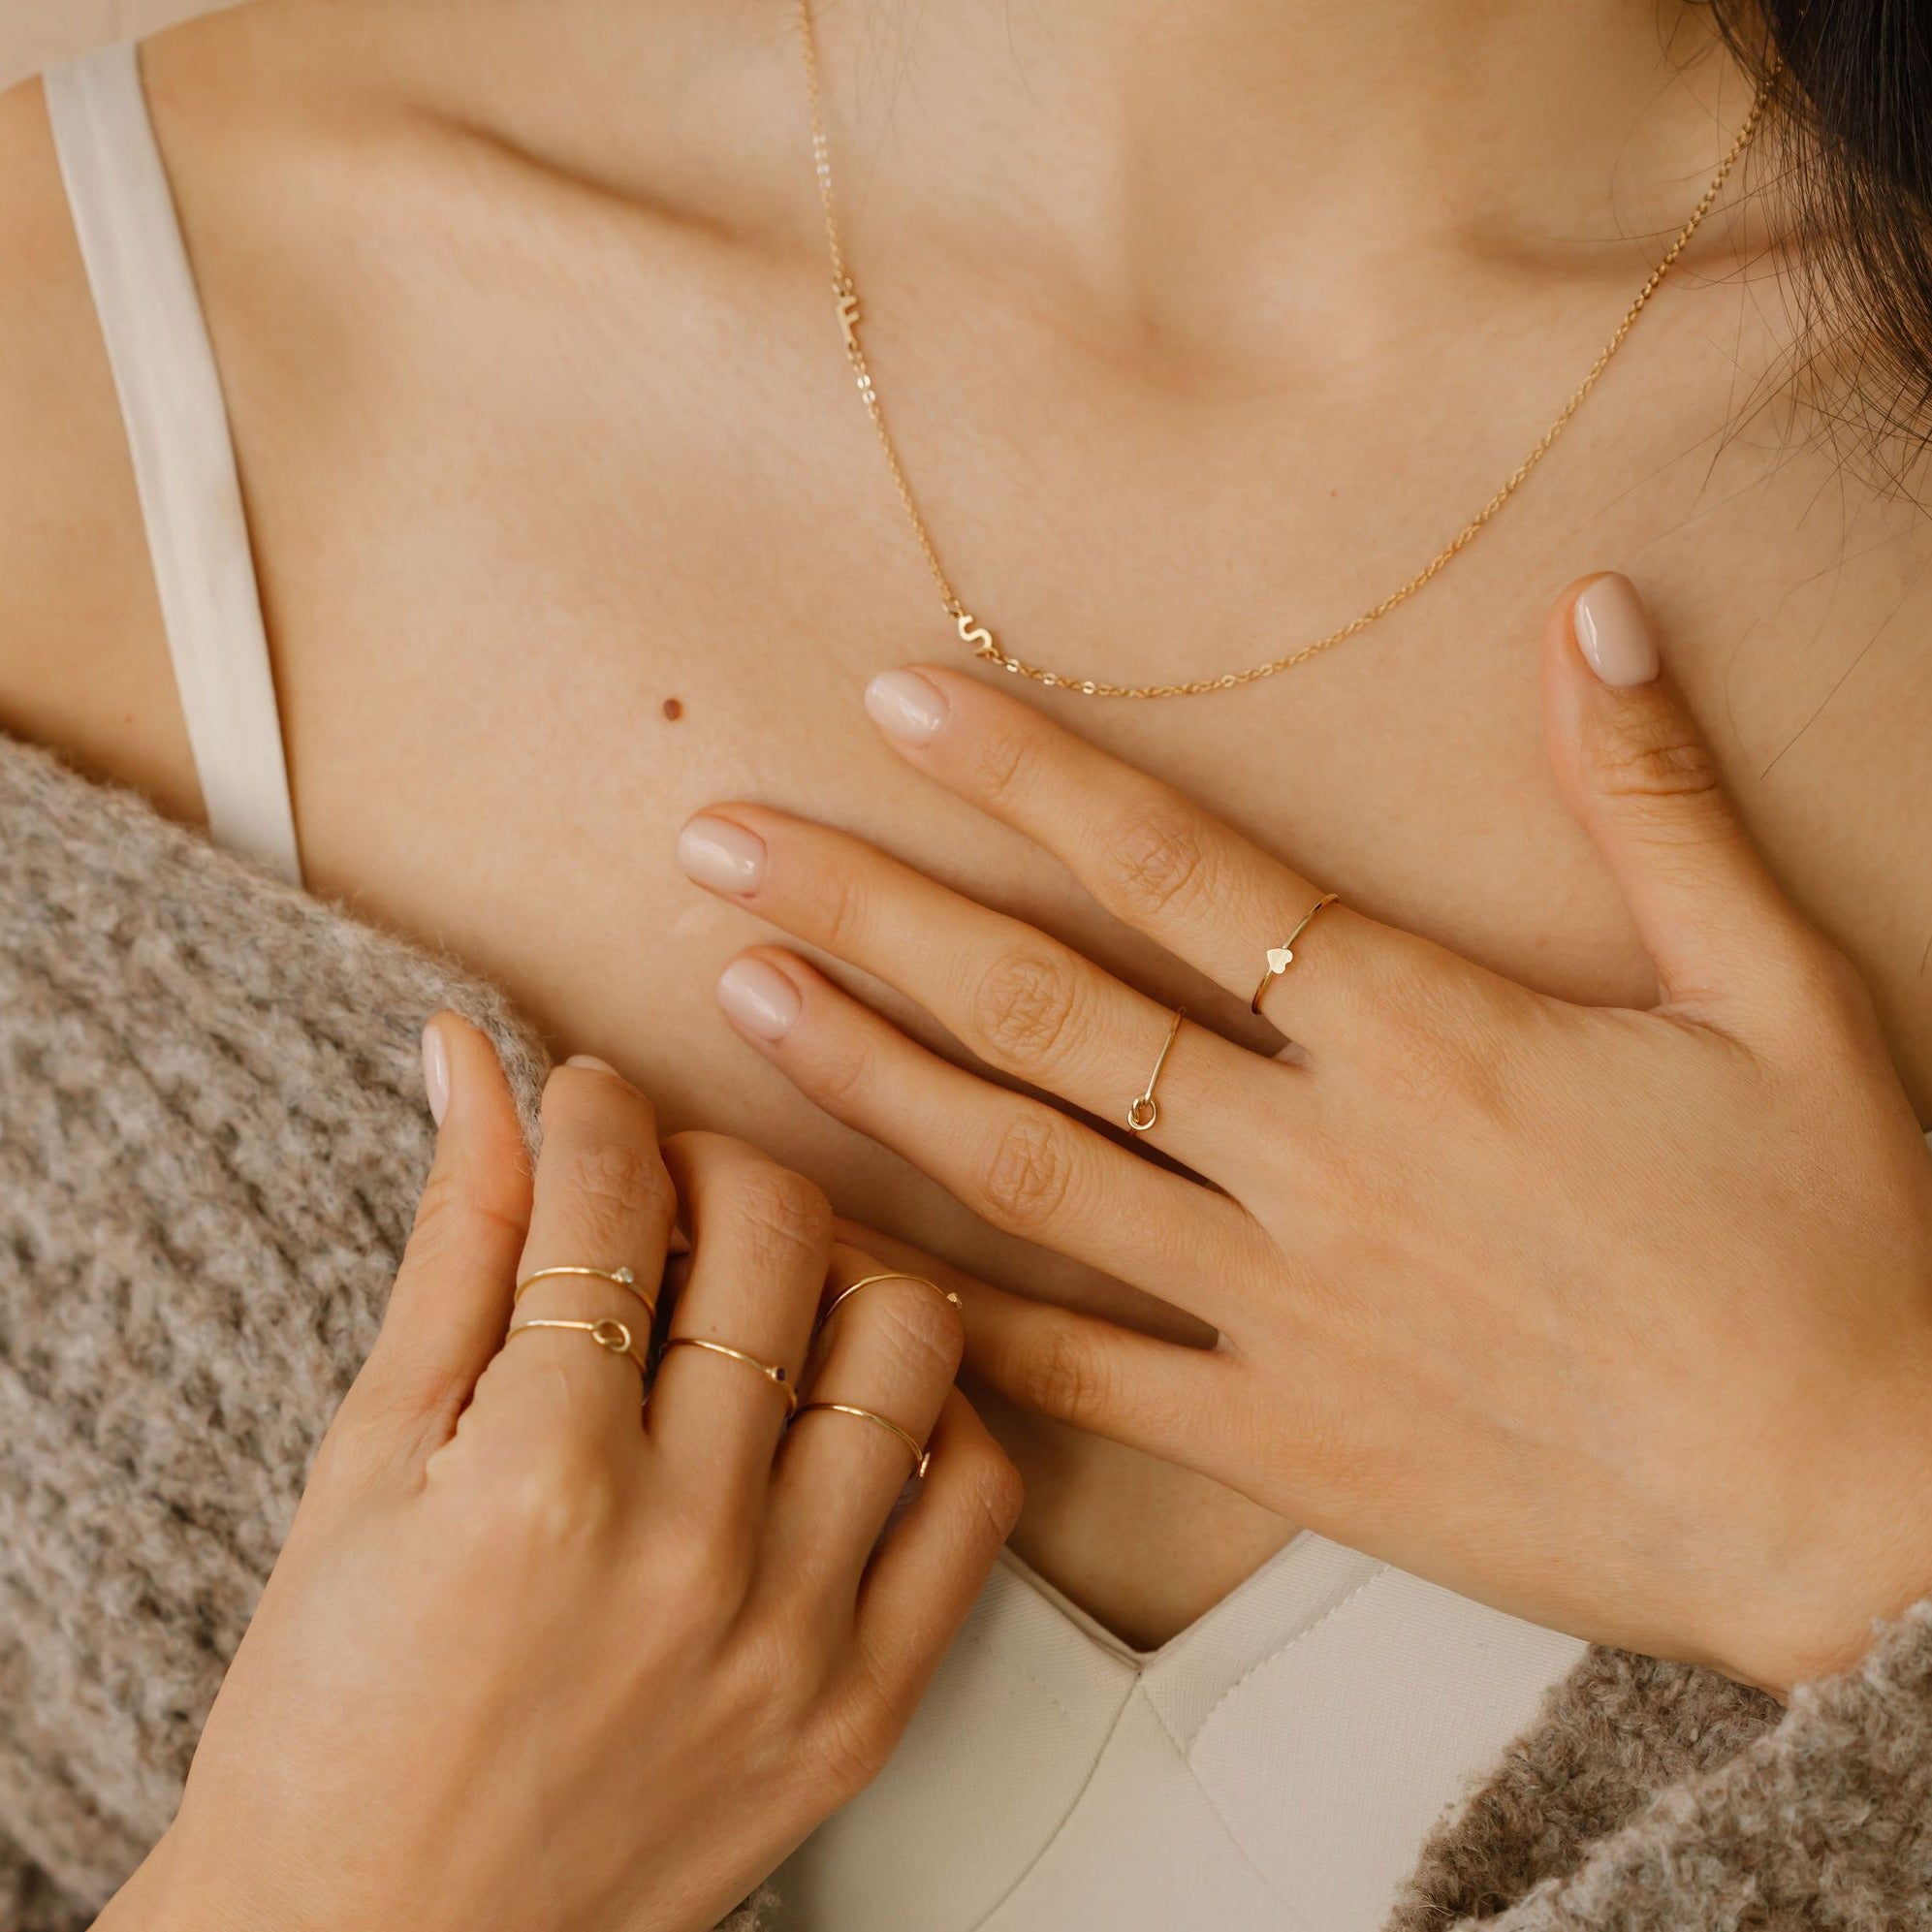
1227, 148
1235, 155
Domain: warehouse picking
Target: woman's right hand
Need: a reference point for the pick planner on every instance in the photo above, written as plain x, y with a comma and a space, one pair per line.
531, 1660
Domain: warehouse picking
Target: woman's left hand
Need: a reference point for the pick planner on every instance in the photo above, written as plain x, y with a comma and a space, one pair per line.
1619, 1321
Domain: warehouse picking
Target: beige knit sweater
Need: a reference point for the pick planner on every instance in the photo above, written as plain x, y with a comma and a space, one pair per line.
211, 1138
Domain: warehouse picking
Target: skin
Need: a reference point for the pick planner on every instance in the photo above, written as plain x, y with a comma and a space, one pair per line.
509, 1603
1202, 328
1685, 1413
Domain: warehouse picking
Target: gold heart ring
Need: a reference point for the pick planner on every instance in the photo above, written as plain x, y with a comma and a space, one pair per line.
1280, 957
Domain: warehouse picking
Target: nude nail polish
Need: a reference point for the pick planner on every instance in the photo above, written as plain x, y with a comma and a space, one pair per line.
590, 1061
435, 1074
759, 998
1613, 632
721, 855
906, 706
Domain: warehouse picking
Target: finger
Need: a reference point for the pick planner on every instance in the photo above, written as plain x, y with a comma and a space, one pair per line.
1094, 1374
1153, 858
1635, 768
890, 1350
452, 1295
1015, 999
934, 1563
1015, 1162
603, 1199
761, 1239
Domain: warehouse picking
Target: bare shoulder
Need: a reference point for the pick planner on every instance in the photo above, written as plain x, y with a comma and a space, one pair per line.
84, 659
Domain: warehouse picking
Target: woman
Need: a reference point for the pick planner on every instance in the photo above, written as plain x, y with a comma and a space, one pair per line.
553, 306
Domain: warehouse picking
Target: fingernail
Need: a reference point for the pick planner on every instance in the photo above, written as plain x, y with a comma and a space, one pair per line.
906, 706
590, 1061
759, 998
435, 1072
1613, 632
723, 855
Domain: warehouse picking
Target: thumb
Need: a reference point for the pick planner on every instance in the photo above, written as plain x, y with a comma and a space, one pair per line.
451, 1302
1635, 769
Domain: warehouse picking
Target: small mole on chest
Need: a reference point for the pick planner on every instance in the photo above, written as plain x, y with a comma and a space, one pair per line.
674, 710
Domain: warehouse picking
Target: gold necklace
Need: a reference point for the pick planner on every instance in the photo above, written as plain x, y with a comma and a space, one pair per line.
980, 640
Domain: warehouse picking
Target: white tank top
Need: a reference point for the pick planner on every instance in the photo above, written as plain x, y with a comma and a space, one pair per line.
1275, 1765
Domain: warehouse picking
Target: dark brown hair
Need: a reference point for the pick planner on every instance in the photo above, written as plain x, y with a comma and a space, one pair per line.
1854, 142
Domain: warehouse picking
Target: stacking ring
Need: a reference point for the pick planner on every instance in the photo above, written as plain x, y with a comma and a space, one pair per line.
1145, 1109
614, 1336
1280, 957
620, 1277
922, 1457
771, 1371
831, 1307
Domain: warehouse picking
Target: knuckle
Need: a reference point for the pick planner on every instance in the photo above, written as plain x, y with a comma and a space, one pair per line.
1023, 1007
921, 1335
999, 1492
447, 1226
613, 1181
858, 1731
839, 1071
562, 1493
1655, 756
1065, 1377
438, 1211
697, 1581
782, 1214
1152, 857
1025, 1174
997, 761
833, 906
1435, 1045
776, 1671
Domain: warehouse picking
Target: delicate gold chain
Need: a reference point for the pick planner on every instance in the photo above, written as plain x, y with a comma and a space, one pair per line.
974, 634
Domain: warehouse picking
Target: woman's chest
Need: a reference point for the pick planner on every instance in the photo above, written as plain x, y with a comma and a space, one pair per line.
520, 633
525, 625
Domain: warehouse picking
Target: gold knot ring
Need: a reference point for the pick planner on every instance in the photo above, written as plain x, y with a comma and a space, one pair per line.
613, 1336
1144, 1110
1280, 957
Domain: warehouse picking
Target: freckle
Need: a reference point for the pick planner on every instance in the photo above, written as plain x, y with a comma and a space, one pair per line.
674, 708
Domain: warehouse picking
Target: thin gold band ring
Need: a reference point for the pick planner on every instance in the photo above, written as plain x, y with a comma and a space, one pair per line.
771, 1371
922, 1457
892, 1275
1280, 957
614, 1337
622, 1277
1145, 1109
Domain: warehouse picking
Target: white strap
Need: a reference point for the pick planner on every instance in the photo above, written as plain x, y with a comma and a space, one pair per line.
183, 454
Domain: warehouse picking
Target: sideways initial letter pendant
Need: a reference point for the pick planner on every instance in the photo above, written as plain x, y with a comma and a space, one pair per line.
975, 635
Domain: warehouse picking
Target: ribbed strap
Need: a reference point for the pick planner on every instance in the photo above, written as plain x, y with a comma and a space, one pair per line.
183, 454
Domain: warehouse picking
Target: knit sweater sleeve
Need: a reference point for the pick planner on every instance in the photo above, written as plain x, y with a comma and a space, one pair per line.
212, 1136
1654, 1797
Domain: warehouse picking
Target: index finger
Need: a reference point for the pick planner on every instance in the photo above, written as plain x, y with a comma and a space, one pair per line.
1150, 856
